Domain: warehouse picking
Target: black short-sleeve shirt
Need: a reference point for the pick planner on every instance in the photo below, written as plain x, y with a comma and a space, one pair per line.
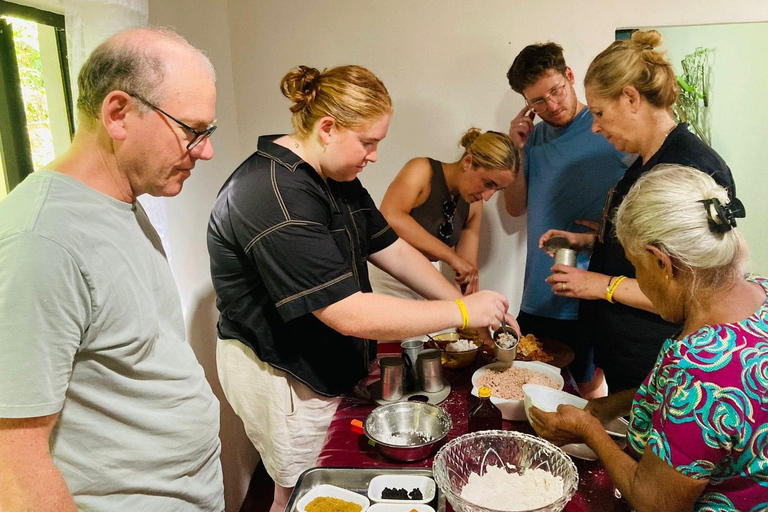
284, 243
627, 340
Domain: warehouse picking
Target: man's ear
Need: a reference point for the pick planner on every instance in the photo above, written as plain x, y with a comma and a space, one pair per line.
660, 260
114, 113
569, 74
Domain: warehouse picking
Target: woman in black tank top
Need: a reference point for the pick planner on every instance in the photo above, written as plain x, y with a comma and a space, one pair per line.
437, 207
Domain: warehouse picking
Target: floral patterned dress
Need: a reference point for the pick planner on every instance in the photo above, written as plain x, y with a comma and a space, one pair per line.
704, 410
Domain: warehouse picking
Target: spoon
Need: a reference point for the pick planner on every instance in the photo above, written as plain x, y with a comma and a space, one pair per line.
434, 344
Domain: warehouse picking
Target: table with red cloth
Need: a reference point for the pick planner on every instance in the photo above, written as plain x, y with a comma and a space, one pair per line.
345, 448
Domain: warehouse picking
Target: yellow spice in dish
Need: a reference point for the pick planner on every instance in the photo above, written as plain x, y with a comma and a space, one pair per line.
327, 504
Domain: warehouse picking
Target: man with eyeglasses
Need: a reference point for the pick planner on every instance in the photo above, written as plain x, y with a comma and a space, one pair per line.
103, 405
566, 173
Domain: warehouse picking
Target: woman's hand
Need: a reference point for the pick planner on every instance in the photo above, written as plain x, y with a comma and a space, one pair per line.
466, 273
578, 241
472, 286
568, 425
486, 308
521, 126
577, 283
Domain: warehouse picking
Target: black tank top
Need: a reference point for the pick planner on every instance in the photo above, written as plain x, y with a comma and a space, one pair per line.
430, 214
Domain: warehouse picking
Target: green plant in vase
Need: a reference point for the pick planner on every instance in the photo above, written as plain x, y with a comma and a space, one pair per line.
693, 101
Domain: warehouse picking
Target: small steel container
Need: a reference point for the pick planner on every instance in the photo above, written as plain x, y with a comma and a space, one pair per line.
557, 242
507, 352
392, 374
430, 371
566, 257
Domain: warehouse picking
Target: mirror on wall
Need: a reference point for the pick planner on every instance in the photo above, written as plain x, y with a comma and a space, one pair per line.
736, 113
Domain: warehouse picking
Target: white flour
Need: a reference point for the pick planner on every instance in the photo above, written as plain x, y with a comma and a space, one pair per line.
511, 492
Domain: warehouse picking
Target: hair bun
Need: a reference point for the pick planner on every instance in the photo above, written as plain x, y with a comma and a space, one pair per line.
646, 39
300, 86
468, 138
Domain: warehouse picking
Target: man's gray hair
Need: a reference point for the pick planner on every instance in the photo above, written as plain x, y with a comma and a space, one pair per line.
129, 65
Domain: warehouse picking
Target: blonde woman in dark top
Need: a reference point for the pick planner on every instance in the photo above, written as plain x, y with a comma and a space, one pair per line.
437, 207
289, 237
630, 89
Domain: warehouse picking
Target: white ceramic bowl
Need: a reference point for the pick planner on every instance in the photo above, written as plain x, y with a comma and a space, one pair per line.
515, 409
331, 491
548, 399
408, 482
400, 507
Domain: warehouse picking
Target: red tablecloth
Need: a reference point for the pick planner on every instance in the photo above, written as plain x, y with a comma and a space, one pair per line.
344, 448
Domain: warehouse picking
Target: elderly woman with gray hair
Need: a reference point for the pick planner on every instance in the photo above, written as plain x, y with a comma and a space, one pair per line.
698, 425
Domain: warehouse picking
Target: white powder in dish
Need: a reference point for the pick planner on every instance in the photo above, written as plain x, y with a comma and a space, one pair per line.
405, 438
512, 492
461, 345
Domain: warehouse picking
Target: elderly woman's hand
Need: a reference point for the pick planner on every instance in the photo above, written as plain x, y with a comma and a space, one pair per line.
568, 425
577, 283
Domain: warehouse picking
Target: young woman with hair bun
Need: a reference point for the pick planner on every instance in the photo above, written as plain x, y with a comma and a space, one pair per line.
630, 88
289, 239
437, 206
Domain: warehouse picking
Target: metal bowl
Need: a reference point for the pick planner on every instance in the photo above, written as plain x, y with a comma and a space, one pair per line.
407, 431
472, 453
456, 360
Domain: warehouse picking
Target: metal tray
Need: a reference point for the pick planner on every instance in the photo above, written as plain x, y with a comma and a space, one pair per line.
356, 480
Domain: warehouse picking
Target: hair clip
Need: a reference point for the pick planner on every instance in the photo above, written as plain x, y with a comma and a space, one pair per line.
722, 217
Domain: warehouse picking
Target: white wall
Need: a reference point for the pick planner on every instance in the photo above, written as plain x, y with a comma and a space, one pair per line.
738, 112
444, 62
205, 24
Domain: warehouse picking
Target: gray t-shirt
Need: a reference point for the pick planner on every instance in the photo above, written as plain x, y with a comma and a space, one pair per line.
91, 327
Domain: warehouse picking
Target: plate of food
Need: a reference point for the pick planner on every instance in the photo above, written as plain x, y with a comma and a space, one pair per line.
544, 350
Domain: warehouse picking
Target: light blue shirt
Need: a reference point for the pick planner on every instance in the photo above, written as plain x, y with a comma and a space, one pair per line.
568, 171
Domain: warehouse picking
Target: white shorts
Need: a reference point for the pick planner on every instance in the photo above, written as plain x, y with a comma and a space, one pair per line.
284, 419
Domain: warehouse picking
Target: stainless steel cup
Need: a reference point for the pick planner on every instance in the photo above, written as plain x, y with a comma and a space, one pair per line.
505, 346
566, 257
411, 350
391, 378
430, 371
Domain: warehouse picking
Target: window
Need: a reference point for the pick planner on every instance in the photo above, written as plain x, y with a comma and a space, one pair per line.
36, 122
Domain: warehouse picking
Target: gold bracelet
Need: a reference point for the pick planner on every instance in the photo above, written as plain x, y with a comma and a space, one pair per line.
612, 285
464, 315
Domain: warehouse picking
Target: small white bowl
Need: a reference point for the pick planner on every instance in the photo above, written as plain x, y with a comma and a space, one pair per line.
514, 410
548, 399
408, 482
400, 507
331, 491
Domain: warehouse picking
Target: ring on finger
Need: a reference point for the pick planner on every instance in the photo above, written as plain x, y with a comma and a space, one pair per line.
563, 287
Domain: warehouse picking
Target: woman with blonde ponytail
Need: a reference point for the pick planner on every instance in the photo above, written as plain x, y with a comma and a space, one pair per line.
289, 239
698, 422
437, 206
630, 89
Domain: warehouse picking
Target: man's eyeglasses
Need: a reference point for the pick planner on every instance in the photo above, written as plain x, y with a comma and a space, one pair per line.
557, 94
445, 231
198, 136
